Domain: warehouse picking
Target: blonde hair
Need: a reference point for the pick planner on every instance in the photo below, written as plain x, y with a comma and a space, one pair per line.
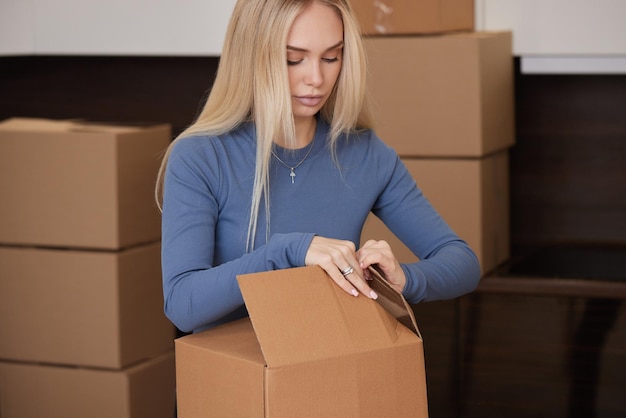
251, 84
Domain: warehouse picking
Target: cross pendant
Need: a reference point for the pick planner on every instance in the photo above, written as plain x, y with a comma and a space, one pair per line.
293, 176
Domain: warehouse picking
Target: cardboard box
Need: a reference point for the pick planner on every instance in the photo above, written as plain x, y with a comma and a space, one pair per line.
443, 96
472, 195
143, 390
98, 309
406, 17
76, 184
308, 350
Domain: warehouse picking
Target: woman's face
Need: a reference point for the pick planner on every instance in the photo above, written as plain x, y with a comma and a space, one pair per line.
314, 58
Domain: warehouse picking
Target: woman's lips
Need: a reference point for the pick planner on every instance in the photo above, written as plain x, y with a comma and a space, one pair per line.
309, 100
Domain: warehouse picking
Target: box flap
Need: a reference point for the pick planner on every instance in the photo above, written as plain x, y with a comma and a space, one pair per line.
35, 125
393, 301
301, 315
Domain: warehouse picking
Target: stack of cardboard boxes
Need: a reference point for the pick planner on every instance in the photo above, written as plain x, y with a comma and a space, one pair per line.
442, 96
82, 329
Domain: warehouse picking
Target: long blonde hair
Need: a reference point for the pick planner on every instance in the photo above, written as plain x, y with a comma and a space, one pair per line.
251, 84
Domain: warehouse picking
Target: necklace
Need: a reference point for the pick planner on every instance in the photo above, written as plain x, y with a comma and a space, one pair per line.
292, 169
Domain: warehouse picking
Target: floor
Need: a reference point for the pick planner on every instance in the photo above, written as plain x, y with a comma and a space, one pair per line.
532, 350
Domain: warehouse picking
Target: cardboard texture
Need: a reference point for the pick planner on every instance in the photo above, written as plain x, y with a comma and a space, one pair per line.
406, 17
146, 389
443, 96
308, 350
472, 195
98, 309
77, 184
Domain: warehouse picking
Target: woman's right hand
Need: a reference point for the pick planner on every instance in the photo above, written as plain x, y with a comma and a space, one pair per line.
338, 259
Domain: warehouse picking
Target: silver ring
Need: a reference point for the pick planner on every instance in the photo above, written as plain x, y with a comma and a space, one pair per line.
347, 270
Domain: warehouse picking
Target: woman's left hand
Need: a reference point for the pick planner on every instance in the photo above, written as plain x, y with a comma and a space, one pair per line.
379, 253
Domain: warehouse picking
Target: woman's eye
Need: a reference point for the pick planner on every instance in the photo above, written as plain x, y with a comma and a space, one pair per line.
289, 62
334, 59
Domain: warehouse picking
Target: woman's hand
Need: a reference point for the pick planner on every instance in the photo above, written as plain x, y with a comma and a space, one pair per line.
379, 253
339, 259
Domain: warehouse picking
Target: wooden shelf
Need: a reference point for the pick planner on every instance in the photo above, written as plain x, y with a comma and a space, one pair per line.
553, 287
577, 270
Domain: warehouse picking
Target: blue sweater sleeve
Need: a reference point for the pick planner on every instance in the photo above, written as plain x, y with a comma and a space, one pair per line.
447, 266
198, 293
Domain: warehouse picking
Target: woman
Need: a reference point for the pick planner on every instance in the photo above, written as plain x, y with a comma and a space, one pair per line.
281, 170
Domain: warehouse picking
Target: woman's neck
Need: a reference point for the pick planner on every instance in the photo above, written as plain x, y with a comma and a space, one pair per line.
305, 131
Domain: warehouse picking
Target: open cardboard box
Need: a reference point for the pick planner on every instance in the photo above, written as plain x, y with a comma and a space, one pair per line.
308, 350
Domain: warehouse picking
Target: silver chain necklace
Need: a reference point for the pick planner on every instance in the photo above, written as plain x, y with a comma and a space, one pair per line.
292, 172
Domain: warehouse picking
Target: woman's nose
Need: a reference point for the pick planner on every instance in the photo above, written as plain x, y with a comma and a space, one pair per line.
314, 74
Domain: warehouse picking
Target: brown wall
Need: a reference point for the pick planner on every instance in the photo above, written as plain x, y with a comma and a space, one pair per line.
125, 89
568, 169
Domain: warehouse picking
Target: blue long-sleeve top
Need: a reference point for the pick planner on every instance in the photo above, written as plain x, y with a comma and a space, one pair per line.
206, 209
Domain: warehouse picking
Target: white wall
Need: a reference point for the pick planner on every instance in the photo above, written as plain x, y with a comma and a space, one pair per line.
563, 36
550, 35
16, 27
120, 27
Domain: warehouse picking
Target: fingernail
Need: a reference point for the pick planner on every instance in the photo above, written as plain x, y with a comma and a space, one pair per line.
373, 295
354, 292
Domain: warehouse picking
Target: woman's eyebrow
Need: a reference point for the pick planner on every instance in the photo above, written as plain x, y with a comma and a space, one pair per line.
295, 48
